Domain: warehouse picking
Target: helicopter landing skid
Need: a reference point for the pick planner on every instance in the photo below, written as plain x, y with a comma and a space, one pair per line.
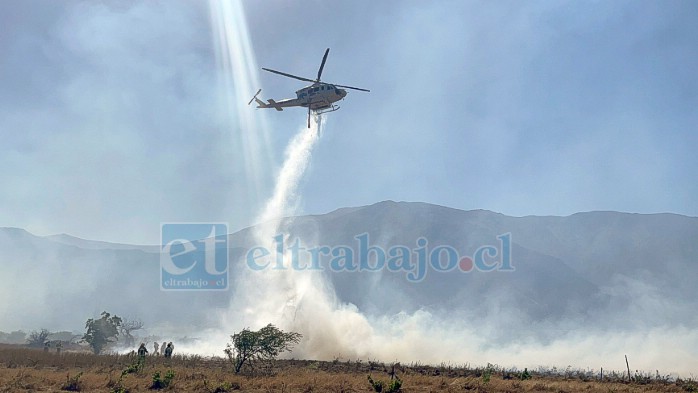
321, 111
328, 110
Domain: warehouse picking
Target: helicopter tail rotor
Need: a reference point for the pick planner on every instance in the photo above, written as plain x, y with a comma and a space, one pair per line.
255, 96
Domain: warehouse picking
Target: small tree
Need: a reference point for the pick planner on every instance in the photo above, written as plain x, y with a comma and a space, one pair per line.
38, 338
102, 331
127, 327
265, 344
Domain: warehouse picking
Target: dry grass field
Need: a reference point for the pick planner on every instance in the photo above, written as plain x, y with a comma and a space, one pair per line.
28, 370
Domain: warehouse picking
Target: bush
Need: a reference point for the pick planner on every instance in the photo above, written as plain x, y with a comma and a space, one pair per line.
162, 383
525, 375
487, 373
100, 332
223, 387
379, 386
134, 367
265, 344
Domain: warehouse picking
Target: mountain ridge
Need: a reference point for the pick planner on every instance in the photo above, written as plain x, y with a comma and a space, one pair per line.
582, 267
67, 238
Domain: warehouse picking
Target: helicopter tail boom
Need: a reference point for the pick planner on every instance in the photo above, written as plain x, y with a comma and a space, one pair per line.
262, 104
274, 105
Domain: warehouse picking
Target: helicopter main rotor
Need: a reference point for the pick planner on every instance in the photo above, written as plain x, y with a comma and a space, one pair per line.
322, 65
319, 74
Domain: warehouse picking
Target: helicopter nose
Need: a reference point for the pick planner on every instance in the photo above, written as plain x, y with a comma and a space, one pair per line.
342, 93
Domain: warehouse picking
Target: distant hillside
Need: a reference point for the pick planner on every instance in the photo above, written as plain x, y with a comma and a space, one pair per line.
596, 268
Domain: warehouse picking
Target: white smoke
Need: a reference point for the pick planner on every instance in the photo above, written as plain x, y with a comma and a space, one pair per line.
302, 301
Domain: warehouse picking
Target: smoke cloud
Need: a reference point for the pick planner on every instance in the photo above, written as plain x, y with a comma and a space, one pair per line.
304, 301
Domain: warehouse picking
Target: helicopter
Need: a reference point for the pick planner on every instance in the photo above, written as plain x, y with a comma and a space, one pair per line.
319, 98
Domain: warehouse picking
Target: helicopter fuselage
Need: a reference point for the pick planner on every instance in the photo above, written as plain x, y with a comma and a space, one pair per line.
316, 97
319, 96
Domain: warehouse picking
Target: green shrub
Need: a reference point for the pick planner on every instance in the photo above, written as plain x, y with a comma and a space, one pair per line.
525, 375
379, 386
162, 383
134, 367
224, 387
487, 373
265, 344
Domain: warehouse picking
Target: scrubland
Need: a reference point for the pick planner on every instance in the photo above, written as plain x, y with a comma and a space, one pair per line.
31, 370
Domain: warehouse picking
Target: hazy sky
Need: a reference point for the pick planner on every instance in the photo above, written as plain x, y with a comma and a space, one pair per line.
111, 117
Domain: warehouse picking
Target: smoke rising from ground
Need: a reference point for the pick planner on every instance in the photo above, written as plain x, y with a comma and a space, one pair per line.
298, 300
305, 302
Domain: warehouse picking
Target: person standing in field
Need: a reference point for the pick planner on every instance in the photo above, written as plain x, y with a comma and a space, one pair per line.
168, 350
156, 347
142, 351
